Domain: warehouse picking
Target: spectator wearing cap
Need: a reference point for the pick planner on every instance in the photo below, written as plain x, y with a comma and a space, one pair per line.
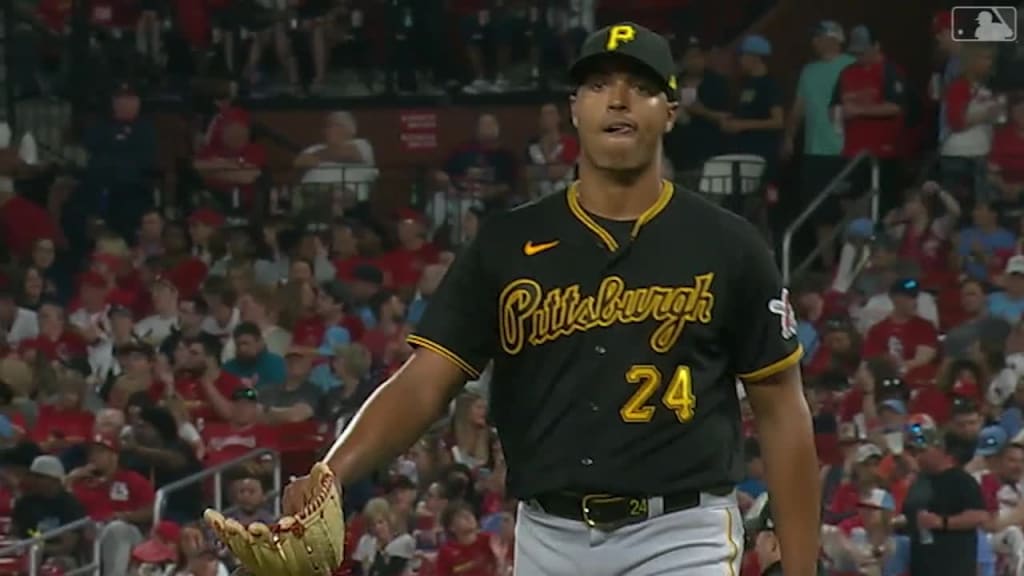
985, 245
253, 361
1006, 160
46, 505
759, 526
230, 164
971, 322
944, 507
971, 111
296, 399
340, 171
884, 265
15, 462
1008, 303
870, 97
160, 552
154, 329
414, 251
839, 349
16, 323
988, 453
136, 361
924, 225
755, 125
156, 450
871, 547
120, 173
863, 477
242, 433
120, 498
703, 101
911, 342
551, 155
823, 142
55, 341
966, 421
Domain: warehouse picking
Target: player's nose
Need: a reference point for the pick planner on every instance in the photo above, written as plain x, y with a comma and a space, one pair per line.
619, 95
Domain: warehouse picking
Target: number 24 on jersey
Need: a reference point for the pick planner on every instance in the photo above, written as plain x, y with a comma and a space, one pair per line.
677, 396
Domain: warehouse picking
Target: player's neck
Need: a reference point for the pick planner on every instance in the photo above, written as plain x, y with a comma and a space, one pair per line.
619, 196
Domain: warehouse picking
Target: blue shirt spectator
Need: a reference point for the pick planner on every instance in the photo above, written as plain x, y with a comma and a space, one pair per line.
253, 362
983, 240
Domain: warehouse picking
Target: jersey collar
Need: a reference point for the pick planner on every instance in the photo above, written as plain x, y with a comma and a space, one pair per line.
573, 197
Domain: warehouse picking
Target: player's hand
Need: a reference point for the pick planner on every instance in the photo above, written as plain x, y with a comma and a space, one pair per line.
929, 520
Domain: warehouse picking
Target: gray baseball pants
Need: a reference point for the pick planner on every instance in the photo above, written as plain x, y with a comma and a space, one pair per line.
703, 541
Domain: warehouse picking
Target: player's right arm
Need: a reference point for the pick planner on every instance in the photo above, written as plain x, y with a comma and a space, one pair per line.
454, 342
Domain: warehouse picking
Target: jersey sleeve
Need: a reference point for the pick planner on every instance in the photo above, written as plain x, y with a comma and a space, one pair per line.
460, 321
763, 326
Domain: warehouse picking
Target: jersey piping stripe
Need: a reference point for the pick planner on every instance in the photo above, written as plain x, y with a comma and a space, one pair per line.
667, 191
452, 357
775, 367
734, 548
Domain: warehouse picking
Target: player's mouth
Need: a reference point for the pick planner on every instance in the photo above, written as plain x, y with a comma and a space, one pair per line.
620, 129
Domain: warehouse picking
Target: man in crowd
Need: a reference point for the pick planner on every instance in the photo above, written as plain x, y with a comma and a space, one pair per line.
45, 506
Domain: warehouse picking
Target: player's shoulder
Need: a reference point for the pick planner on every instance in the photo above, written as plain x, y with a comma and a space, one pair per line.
708, 217
525, 220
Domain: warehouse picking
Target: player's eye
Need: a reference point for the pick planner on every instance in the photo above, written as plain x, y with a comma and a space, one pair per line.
596, 84
645, 89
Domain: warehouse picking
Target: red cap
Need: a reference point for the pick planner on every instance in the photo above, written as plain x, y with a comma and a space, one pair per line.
108, 441
167, 531
942, 22
206, 217
93, 279
966, 389
154, 551
408, 214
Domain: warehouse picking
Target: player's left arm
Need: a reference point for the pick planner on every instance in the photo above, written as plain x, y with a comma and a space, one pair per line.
766, 356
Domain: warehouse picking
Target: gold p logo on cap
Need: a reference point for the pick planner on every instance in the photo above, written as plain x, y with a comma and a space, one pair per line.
620, 35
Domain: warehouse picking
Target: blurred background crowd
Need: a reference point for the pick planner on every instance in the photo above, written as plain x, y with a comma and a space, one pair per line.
220, 219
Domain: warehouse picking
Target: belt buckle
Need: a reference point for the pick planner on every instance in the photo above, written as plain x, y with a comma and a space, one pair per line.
636, 510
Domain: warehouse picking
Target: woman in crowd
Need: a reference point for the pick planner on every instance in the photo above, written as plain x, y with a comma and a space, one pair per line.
384, 550
470, 435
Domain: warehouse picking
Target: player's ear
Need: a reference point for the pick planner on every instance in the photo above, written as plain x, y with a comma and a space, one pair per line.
572, 111
673, 113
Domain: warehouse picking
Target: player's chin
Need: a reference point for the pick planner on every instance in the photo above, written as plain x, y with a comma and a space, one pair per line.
625, 160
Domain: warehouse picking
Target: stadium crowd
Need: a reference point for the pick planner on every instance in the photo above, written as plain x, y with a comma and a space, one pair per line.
139, 350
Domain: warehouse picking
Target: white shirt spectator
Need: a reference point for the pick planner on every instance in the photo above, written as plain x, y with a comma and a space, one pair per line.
211, 326
403, 546
879, 306
973, 139
24, 327
155, 329
101, 351
356, 176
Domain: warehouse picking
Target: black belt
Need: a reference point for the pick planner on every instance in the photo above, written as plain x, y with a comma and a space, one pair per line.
608, 511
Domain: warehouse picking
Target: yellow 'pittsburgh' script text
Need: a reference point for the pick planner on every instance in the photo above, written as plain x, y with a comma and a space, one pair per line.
529, 315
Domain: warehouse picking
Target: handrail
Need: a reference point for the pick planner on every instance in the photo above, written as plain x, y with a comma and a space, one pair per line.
34, 546
160, 498
830, 190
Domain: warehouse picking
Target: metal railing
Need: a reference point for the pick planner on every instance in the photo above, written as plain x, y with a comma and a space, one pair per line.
837, 184
35, 547
216, 472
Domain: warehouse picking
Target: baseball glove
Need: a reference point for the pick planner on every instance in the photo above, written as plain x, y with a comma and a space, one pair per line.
309, 543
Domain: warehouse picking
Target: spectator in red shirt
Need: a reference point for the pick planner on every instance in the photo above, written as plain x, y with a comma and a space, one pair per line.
870, 97
924, 232
551, 156
55, 340
389, 311
909, 340
205, 387
414, 251
121, 498
1006, 161
468, 551
839, 349
231, 164
22, 222
64, 422
971, 111
242, 434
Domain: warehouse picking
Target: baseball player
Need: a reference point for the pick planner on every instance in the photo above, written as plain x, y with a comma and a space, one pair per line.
618, 315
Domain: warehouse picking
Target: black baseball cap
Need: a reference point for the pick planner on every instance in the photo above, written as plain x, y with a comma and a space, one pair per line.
906, 287
634, 42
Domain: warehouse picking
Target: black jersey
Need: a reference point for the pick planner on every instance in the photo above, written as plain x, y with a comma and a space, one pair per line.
615, 360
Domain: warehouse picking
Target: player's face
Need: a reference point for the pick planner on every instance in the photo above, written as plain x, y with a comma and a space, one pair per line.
621, 114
